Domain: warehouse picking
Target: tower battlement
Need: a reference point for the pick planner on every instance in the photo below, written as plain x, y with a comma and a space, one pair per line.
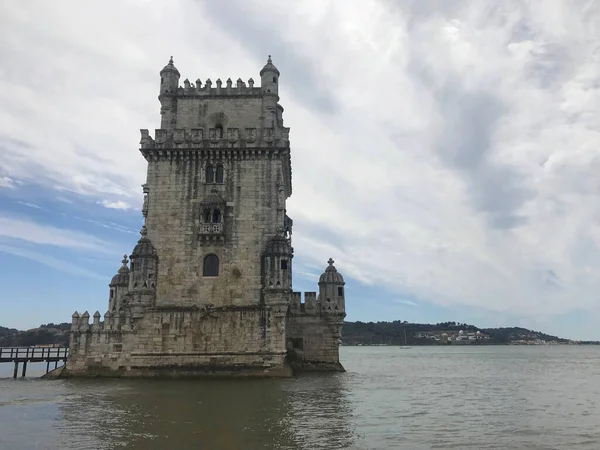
217, 89
269, 80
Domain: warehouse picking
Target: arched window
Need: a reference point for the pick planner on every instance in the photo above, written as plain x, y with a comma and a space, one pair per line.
219, 175
211, 266
217, 216
219, 130
206, 215
210, 174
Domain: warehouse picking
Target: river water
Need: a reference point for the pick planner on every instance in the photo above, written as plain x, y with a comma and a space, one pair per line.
503, 397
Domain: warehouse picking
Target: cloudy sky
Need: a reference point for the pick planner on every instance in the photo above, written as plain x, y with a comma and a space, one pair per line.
445, 153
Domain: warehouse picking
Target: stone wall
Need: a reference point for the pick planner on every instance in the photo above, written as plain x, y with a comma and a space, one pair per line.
250, 217
207, 341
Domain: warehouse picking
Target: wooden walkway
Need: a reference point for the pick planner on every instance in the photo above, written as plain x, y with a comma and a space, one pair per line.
26, 355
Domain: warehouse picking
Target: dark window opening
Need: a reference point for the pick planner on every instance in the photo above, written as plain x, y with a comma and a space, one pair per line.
210, 174
216, 216
284, 264
219, 175
162, 80
211, 266
340, 291
328, 300
112, 293
132, 266
150, 275
219, 131
275, 80
206, 215
298, 343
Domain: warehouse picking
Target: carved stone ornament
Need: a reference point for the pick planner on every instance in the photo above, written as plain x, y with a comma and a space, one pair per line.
269, 134
197, 135
233, 135
250, 134
179, 136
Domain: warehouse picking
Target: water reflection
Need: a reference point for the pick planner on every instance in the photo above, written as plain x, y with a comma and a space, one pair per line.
309, 412
320, 412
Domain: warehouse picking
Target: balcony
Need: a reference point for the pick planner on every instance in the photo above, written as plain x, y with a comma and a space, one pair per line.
211, 228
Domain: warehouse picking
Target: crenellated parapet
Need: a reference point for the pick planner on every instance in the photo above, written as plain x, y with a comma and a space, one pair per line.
170, 87
311, 306
213, 138
113, 322
239, 89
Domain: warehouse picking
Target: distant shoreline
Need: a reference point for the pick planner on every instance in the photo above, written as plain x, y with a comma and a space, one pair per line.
354, 334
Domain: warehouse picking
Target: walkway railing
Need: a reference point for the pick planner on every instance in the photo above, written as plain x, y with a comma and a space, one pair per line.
25, 355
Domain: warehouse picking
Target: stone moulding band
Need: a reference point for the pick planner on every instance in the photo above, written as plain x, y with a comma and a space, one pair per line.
195, 308
223, 152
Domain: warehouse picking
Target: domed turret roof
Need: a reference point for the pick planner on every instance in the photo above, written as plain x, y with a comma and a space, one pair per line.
331, 275
170, 67
269, 66
122, 276
278, 246
144, 247
214, 199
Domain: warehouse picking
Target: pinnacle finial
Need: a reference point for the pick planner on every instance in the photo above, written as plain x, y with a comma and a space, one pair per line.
124, 260
330, 261
144, 231
171, 60
269, 60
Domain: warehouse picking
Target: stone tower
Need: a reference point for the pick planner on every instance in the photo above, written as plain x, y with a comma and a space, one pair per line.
208, 289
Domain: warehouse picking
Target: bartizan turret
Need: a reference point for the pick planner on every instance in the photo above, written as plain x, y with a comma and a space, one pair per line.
169, 78
269, 79
331, 290
142, 276
119, 285
169, 85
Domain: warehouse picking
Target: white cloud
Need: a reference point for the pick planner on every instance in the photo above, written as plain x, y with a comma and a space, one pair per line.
6, 182
23, 230
119, 204
30, 205
449, 153
50, 261
408, 302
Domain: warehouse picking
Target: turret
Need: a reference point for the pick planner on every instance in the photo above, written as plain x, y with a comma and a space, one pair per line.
277, 276
277, 264
119, 286
269, 78
142, 275
331, 291
169, 78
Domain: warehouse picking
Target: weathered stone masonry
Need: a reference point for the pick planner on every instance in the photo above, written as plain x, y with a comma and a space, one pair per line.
208, 288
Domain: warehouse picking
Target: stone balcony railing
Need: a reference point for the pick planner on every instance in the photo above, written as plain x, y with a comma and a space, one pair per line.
211, 228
